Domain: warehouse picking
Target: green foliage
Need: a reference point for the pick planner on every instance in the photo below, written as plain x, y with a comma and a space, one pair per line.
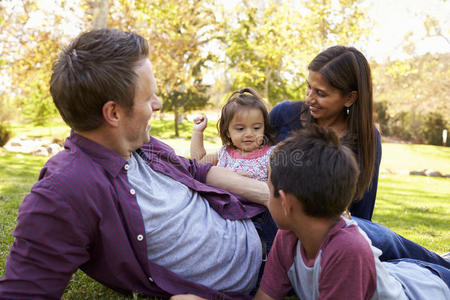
413, 88
191, 99
381, 116
410, 127
38, 106
5, 134
400, 126
270, 43
432, 128
184, 101
179, 33
28, 53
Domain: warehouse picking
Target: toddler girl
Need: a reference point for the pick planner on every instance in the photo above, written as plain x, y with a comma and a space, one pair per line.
246, 136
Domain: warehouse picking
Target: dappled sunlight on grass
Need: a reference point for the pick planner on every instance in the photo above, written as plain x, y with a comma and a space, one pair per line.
416, 207
53, 130
415, 157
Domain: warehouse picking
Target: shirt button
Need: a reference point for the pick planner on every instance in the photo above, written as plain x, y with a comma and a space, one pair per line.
140, 237
132, 192
126, 167
150, 279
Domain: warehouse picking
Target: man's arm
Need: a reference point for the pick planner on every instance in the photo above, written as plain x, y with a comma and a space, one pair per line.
260, 295
248, 188
50, 244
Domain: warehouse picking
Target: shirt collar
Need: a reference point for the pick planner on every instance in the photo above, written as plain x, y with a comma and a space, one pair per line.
108, 159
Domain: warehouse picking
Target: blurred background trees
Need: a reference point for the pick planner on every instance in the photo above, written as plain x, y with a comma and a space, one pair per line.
202, 50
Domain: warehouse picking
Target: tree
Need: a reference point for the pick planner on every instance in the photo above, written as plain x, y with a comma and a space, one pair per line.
99, 14
418, 86
179, 32
268, 44
415, 88
32, 35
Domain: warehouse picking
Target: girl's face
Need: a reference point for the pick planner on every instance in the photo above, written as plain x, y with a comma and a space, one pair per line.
326, 103
246, 129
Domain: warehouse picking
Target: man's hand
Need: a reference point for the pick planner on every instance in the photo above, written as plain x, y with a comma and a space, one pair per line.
186, 297
200, 123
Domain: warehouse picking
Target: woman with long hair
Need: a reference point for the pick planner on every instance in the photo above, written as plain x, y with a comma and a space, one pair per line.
339, 96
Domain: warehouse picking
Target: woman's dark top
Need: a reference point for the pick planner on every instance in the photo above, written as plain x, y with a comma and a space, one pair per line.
285, 118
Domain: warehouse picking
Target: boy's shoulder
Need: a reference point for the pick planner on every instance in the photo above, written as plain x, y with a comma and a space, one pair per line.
284, 247
346, 243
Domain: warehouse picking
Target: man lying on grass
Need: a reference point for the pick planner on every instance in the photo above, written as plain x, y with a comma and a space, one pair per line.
121, 206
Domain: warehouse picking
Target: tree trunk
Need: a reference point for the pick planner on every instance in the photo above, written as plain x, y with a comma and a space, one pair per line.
175, 113
268, 73
100, 14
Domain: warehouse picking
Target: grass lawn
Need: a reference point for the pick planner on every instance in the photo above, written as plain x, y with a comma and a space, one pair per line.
415, 157
416, 207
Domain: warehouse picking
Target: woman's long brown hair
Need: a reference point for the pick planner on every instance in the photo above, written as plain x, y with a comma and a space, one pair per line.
346, 69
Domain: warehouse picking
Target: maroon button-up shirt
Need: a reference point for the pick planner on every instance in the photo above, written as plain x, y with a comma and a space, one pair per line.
82, 214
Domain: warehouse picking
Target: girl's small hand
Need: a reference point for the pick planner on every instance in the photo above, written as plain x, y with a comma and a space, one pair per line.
200, 123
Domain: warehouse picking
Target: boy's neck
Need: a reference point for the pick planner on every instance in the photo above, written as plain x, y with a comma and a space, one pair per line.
312, 232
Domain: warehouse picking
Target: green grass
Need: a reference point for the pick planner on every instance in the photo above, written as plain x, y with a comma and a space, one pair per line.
416, 207
54, 130
415, 157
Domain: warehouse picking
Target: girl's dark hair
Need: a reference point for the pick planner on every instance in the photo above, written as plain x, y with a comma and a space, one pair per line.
96, 67
346, 69
244, 98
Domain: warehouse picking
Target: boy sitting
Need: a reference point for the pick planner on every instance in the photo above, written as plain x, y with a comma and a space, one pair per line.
317, 252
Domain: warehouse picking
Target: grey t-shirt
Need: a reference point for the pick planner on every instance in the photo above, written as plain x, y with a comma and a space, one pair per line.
185, 235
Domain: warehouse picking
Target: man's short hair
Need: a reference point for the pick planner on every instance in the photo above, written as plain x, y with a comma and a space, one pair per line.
317, 169
98, 66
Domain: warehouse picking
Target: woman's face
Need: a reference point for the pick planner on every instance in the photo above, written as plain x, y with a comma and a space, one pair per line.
326, 103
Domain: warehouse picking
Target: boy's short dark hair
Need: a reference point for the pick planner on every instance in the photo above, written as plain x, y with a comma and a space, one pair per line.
316, 168
98, 66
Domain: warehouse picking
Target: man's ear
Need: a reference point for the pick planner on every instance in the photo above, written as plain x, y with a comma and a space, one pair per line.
351, 98
111, 113
285, 202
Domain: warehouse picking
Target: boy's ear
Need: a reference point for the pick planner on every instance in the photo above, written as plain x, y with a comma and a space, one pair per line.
286, 203
111, 113
351, 98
